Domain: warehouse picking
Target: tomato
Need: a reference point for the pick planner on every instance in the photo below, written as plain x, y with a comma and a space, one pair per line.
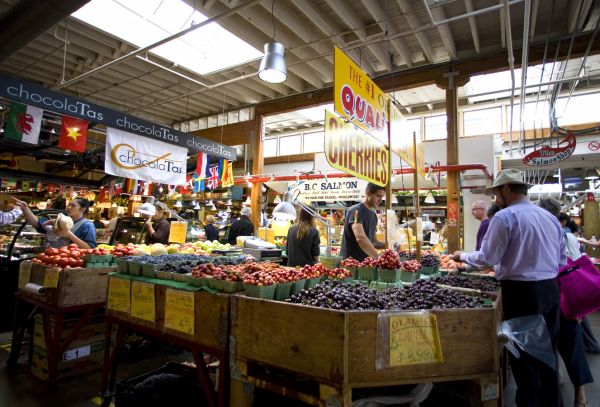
63, 251
72, 246
63, 262
73, 262
36, 260
64, 255
79, 263
75, 254
51, 251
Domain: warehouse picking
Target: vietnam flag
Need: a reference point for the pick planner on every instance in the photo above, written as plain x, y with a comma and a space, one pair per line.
73, 134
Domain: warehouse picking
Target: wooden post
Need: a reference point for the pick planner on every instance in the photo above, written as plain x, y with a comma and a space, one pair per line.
451, 84
416, 192
256, 141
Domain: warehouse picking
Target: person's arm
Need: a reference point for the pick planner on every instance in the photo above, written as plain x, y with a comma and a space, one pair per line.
87, 239
363, 241
492, 249
31, 218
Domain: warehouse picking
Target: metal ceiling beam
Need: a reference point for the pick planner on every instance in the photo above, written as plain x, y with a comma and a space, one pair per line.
421, 36
28, 19
379, 15
438, 14
473, 26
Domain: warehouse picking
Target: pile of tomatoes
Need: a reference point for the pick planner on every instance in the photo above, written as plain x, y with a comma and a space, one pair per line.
68, 256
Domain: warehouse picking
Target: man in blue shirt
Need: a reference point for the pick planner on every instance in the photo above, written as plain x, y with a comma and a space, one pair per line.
525, 244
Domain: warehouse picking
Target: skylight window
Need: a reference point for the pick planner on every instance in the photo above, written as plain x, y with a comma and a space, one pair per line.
142, 22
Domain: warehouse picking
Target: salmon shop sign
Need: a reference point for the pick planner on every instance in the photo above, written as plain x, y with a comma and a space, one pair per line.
323, 189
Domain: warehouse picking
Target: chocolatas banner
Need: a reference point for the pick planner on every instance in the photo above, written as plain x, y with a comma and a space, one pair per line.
35, 95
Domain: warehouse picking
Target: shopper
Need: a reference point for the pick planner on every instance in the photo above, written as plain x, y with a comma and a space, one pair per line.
241, 227
525, 244
570, 344
360, 225
82, 233
157, 227
479, 212
303, 242
211, 232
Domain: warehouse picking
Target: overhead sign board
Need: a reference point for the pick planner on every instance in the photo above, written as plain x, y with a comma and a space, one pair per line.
401, 141
35, 95
551, 155
334, 189
358, 99
349, 149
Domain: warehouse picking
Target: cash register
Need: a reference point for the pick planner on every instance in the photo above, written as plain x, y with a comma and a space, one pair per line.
260, 249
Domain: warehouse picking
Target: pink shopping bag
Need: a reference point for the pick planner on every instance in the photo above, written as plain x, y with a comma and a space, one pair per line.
579, 284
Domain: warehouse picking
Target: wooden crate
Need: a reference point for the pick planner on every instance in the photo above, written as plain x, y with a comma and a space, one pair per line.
76, 286
339, 348
211, 318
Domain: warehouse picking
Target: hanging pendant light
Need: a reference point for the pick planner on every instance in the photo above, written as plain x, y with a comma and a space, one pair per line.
272, 67
277, 200
429, 198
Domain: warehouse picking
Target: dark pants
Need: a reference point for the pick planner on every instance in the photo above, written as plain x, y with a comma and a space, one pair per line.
572, 351
537, 383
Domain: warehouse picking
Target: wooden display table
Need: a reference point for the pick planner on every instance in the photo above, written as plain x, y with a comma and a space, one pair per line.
197, 321
70, 293
331, 352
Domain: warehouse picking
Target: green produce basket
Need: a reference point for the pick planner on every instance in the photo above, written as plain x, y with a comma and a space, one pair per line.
164, 275
149, 270
123, 266
227, 286
409, 277
180, 277
330, 262
266, 292
389, 276
312, 282
354, 271
199, 281
367, 273
298, 286
282, 291
98, 265
135, 268
380, 285
428, 270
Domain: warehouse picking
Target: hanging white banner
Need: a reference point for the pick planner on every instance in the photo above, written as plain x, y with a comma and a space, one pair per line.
132, 156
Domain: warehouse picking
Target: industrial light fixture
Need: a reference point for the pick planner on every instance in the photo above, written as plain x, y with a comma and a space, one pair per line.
272, 67
429, 198
277, 200
178, 204
285, 210
438, 221
147, 207
228, 203
196, 206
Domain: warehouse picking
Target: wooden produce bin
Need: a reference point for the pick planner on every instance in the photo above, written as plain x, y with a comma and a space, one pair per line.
64, 288
211, 314
338, 349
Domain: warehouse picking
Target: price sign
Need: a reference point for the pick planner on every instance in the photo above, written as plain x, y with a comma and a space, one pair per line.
178, 232
179, 311
414, 339
119, 294
51, 277
77, 353
142, 301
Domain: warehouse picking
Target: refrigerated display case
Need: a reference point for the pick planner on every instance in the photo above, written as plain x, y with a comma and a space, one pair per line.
129, 230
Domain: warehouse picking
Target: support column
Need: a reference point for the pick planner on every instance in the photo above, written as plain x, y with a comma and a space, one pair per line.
256, 143
450, 82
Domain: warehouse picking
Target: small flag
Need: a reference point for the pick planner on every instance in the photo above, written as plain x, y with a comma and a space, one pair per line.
201, 164
73, 134
25, 185
227, 177
40, 187
213, 178
118, 186
10, 183
111, 188
24, 123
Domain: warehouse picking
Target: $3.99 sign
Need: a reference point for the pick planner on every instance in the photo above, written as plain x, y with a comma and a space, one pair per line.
179, 311
414, 339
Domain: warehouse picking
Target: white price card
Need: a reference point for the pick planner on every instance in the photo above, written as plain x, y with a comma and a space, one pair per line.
76, 353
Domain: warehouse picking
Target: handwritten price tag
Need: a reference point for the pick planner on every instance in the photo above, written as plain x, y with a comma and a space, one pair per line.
119, 294
179, 311
51, 277
414, 339
178, 232
142, 301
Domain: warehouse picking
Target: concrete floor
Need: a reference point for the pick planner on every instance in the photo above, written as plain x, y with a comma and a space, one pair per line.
18, 388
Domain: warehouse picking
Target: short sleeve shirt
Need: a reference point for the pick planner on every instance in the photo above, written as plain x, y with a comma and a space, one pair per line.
368, 219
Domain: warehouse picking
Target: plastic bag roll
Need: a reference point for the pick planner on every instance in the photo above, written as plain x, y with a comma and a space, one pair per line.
35, 288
